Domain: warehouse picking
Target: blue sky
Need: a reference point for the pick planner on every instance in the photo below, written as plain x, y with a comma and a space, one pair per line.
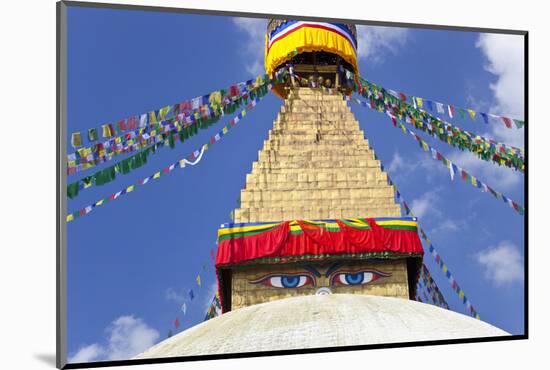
131, 262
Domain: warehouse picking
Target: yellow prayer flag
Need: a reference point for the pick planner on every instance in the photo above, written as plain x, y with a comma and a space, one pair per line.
70, 217
130, 188
99, 202
474, 181
106, 130
461, 294
199, 280
182, 163
472, 113
152, 117
156, 175
444, 268
224, 130
419, 102
164, 111
205, 147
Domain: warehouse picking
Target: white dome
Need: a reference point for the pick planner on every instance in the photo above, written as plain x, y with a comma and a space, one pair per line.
321, 321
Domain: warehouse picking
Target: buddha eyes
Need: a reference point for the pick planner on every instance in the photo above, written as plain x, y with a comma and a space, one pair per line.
285, 281
345, 278
357, 277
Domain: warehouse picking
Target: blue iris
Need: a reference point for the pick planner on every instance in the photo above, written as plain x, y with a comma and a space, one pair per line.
290, 281
354, 279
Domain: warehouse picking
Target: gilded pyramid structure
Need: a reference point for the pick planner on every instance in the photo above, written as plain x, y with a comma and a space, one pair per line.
315, 164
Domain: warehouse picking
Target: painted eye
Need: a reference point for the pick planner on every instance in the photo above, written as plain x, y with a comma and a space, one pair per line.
358, 277
284, 281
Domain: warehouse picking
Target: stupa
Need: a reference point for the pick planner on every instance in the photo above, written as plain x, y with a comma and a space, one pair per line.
318, 254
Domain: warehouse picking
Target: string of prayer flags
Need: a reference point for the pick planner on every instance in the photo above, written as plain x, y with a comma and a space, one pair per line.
453, 168
125, 166
214, 100
446, 162
439, 261
167, 131
432, 288
485, 149
215, 308
192, 159
448, 109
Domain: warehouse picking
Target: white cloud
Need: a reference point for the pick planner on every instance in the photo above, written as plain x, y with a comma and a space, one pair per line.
397, 163
374, 43
505, 60
421, 163
426, 204
503, 264
127, 337
254, 45
90, 353
175, 296
504, 55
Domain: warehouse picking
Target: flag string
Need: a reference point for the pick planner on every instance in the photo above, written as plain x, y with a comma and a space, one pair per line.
437, 257
448, 110
453, 168
185, 124
109, 174
214, 98
484, 148
192, 159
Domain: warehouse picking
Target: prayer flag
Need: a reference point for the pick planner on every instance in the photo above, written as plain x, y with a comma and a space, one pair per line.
184, 308
451, 111
472, 113
507, 121
76, 139
191, 294
518, 123
92, 134
106, 130
177, 323
430, 105
485, 117
198, 280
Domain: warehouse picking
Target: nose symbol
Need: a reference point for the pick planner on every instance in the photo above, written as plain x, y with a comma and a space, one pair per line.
323, 291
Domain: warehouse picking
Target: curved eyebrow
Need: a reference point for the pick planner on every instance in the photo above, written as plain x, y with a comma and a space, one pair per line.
332, 268
313, 270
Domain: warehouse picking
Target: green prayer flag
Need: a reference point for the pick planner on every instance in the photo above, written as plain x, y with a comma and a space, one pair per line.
518, 123
72, 190
92, 134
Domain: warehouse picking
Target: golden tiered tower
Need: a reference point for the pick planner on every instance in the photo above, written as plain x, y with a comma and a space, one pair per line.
316, 164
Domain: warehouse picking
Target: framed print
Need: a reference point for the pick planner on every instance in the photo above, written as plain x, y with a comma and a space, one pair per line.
238, 185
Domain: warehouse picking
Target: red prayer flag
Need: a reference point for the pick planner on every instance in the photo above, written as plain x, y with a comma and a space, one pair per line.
507, 121
122, 125
177, 322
